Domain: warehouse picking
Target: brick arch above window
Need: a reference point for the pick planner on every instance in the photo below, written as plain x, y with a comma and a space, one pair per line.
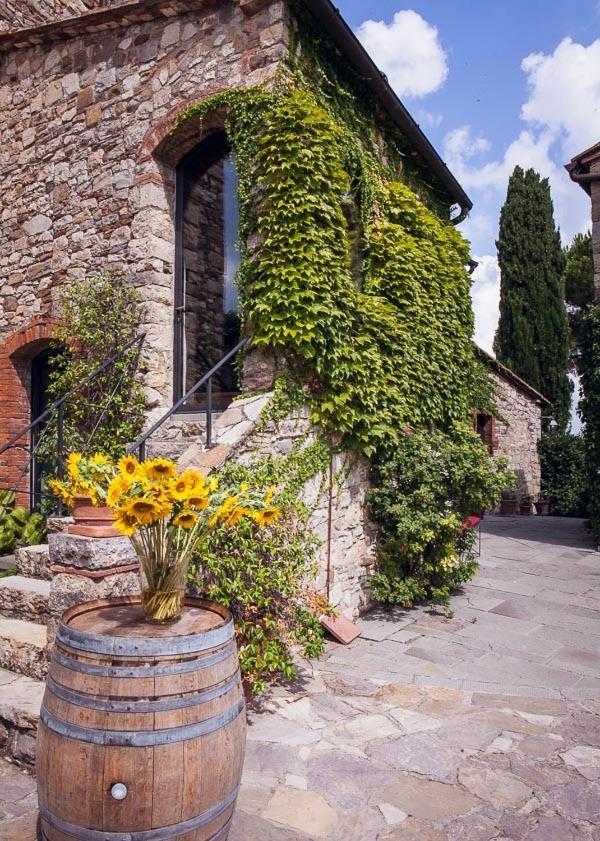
174, 136
40, 332
16, 354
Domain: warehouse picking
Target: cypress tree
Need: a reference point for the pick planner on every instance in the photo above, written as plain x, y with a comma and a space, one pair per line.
533, 332
578, 278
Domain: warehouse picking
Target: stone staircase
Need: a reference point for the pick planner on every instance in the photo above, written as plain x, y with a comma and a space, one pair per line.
25, 596
24, 613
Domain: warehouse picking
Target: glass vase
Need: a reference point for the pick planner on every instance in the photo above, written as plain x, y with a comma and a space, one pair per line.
163, 590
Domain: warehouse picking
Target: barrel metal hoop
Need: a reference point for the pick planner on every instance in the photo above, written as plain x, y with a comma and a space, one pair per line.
141, 738
144, 647
144, 671
80, 699
163, 833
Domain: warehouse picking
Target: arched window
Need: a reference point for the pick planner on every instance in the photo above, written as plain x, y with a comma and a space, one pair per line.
207, 324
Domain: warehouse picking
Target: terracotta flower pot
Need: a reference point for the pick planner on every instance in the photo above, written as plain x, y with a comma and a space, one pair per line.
525, 509
542, 506
91, 520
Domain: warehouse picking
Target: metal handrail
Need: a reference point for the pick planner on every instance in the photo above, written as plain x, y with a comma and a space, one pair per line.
140, 444
58, 403
58, 407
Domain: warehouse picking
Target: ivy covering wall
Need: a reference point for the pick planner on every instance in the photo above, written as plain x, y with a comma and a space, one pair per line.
354, 276
390, 352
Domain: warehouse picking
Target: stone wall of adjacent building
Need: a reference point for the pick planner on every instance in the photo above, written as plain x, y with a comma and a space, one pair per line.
88, 161
517, 432
339, 513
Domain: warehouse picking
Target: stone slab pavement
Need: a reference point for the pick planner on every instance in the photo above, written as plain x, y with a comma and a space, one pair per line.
480, 725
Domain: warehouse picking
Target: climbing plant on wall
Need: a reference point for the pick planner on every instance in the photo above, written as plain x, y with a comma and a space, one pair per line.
396, 353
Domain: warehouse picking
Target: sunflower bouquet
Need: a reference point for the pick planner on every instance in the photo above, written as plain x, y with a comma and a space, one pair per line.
166, 515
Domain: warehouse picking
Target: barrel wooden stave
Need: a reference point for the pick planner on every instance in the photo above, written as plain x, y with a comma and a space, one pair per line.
168, 784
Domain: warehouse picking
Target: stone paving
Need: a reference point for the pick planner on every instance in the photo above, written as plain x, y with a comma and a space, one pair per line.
476, 726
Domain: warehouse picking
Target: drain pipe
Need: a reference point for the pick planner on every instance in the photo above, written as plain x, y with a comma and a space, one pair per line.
329, 524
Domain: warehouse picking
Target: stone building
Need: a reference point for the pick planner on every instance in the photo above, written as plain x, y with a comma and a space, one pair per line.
584, 169
517, 429
103, 169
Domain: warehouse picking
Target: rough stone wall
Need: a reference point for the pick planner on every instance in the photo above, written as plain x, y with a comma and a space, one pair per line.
21, 14
347, 535
517, 435
84, 188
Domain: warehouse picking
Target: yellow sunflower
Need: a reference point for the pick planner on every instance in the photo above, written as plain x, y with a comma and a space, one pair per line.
186, 520
159, 468
117, 488
145, 510
196, 500
267, 516
126, 523
61, 490
73, 462
194, 478
182, 487
237, 515
99, 460
213, 485
270, 494
163, 501
128, 466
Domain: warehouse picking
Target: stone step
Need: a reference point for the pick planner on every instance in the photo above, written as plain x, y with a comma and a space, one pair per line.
7, 562
24, 598
23, 647
20, 701
34, 561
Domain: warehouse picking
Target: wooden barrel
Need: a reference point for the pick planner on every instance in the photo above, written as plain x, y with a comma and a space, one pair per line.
142, 728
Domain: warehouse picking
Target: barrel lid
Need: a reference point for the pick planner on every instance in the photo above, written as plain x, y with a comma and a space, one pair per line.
117, 626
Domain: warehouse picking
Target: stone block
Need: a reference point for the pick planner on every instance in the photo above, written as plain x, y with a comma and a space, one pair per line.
24, 598
33, 561
89, 553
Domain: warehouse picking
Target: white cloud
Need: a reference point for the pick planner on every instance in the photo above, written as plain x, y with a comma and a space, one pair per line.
571, 205
564, 93
408, 51
562, 114
485, 293
430, 120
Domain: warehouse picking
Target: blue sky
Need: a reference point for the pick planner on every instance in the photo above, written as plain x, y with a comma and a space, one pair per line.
494, 84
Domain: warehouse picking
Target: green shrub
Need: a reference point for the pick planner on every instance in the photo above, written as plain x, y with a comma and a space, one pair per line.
100, 316
423, 495
264, 575
261, 576
564, 473
589, 409
17, 525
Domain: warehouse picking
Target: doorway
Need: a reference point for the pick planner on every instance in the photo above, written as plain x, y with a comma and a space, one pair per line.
41, 367
207, 322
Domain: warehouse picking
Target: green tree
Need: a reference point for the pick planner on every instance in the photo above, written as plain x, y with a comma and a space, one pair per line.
589, 409
578, 278
533, 331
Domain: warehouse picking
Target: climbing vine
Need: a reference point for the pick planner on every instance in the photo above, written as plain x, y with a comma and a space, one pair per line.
398, 351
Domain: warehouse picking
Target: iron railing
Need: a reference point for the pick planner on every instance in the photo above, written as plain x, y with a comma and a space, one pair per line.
140, 445
57, 409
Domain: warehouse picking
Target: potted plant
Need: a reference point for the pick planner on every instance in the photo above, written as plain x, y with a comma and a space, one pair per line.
526, 505
542, 506
509, 503
84, 491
